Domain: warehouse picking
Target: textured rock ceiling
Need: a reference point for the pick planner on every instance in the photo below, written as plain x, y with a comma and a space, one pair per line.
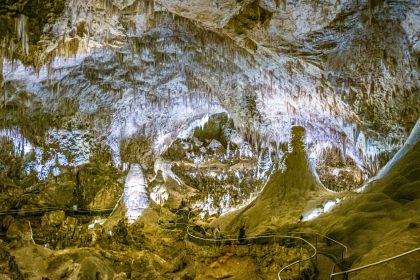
346, 70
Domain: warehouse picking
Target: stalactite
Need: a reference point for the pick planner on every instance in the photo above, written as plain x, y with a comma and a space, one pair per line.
1, 73
21, 32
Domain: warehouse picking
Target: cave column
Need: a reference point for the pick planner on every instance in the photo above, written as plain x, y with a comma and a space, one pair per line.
135, 194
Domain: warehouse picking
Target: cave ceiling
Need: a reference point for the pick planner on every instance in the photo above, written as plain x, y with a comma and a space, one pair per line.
348, 71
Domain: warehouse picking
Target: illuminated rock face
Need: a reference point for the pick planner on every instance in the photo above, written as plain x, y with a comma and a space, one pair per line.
347, 71
135, 196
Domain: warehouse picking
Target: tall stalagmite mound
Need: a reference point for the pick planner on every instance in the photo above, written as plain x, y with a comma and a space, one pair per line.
289, 192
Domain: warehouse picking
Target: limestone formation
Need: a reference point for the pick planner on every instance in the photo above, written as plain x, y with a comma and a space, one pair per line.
138, 138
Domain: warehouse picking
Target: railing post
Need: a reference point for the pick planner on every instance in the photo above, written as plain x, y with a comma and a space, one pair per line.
300, 253
332, 271
316, 247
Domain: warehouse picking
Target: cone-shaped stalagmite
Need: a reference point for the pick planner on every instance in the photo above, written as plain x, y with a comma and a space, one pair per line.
288, 193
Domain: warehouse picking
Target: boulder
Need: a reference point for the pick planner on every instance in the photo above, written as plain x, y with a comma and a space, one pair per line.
7, 221
84, 264
70, 224
120, 276
53, 218
68, 233
197, 142
19, 230
92, 268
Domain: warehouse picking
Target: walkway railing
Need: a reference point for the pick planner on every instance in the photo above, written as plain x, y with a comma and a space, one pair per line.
298, 262
318, 237
257, 239
343, 253
347, 272
37, 211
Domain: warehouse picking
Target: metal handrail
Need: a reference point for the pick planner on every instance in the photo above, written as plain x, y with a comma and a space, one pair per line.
299, 261
329, 238
332, 271
344, 253
256, 237
373, 264
47, 209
